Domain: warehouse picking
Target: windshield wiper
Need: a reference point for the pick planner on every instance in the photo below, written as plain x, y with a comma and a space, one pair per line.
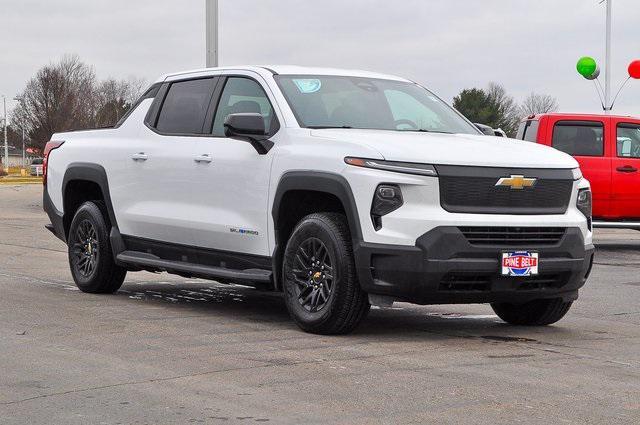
321, 127
424, 130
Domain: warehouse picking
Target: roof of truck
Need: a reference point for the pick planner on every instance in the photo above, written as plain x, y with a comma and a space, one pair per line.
286, 70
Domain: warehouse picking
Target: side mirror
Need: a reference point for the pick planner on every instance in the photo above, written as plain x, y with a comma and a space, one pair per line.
244, 124
248, 126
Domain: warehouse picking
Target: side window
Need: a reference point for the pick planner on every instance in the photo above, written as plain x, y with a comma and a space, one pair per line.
149, 94
185, 107
628, 141
579, 138
528, 131
242, 95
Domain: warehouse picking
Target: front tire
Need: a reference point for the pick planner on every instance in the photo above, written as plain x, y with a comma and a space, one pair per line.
533, 313
90, 256
321, 288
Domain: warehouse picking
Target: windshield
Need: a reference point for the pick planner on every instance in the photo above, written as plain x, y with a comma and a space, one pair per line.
367, 103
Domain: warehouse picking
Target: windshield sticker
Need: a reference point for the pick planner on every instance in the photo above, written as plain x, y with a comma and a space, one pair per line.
308, 85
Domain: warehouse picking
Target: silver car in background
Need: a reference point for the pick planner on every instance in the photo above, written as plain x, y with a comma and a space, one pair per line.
36, 167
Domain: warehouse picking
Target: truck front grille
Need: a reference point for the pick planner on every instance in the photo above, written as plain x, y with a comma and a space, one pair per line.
473, 190
513, 236
544, 281
465, 282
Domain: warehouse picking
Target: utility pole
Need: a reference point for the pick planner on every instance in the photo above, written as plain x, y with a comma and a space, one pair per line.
211, 10
607, 64
6, 145
24, 156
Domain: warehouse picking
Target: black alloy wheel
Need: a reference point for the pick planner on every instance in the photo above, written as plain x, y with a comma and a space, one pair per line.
319, 278
86, 249
313, 274
90, 255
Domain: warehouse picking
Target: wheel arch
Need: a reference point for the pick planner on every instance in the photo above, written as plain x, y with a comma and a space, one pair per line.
332, 189
87, 174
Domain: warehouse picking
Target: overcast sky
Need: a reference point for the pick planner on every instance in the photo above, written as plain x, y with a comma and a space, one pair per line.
447, 45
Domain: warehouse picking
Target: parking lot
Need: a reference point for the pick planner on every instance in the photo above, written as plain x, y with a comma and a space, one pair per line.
166, 349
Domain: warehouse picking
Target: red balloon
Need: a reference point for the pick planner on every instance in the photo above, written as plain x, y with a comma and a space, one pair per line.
634, 69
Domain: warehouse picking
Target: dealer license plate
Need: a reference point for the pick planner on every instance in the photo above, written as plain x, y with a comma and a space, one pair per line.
519, 263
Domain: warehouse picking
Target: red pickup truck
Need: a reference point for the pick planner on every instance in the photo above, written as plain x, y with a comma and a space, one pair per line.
608, 150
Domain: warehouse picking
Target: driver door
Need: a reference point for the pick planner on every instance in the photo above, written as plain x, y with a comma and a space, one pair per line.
233, 179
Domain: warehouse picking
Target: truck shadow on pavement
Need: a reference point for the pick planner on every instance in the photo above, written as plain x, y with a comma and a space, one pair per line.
235, 304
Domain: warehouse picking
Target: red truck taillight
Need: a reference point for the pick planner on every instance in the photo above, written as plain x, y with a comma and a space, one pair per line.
47, 150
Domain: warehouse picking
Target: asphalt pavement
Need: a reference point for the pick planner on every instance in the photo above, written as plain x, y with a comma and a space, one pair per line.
166, 349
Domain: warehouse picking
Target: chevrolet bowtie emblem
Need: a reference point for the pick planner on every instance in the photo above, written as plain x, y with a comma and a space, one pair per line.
516, 182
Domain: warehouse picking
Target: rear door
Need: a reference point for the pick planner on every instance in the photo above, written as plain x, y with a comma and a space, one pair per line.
625, 202
586, 141
159, 198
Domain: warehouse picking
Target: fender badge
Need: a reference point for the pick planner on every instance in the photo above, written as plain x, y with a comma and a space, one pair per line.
244, 231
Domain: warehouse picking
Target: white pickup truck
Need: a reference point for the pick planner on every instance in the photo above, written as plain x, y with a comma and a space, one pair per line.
339, 188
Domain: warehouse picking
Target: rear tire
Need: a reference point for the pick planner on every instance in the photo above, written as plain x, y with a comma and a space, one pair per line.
90, 257
321, 288
533, 313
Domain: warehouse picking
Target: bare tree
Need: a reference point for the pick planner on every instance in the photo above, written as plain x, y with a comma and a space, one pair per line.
538, 104
114, 98
67, 96
58, 98
507, 111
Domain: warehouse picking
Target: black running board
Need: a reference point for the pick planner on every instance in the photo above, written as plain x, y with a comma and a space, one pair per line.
151, 262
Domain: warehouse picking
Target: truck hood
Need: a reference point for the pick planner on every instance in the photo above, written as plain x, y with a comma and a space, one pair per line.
453, 149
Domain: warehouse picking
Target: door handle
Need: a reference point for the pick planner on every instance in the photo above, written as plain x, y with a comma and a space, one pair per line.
627, 169
203, 158
140, 156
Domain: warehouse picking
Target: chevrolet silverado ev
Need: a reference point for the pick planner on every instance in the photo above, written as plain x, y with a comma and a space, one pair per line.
341, 189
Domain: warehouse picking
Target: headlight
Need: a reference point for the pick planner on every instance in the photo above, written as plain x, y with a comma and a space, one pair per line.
397, 167
584, 204
387, 198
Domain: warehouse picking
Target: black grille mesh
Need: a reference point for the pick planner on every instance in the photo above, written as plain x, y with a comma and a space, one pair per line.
513, 236
480, 195
469, 282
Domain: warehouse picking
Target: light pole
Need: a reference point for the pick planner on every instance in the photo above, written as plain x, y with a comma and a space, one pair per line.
607, 64
211, 11
589, 69
24, 156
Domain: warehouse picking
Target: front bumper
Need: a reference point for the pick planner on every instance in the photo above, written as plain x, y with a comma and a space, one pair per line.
445, 268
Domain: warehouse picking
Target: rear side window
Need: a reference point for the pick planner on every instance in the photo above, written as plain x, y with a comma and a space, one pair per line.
528, 131
149, 94
579, 138
628, 143
185, 107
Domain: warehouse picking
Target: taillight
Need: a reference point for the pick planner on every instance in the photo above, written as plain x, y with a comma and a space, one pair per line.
47, 150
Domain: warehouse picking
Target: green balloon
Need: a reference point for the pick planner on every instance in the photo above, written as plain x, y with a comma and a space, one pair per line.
587, 67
